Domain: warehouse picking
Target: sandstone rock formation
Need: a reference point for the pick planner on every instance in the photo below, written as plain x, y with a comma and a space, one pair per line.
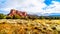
20, 13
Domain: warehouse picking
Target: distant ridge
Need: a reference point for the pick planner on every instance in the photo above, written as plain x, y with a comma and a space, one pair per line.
55, 14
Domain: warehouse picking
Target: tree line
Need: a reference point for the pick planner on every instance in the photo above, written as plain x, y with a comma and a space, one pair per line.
2, 16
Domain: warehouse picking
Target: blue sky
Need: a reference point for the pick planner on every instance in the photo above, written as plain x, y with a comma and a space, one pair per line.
49, 2
38, 7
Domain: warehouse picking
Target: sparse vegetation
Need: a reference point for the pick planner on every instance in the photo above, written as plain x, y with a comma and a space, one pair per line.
29, 25
2, 16
21, 26
8, 17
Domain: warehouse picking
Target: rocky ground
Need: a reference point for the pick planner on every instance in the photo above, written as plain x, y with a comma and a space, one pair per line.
21, 26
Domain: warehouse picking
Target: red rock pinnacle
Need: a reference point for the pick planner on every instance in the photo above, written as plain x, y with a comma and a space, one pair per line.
20, 13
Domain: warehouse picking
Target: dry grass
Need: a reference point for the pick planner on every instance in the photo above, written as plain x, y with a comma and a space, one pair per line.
20, 26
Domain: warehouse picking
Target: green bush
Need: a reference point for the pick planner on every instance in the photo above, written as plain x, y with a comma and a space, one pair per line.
9, 17
16, 17
2, 16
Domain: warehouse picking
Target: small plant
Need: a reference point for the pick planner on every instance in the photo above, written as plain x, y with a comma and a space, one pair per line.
8, 17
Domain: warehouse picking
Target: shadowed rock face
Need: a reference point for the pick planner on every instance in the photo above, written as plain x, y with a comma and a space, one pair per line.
20, 13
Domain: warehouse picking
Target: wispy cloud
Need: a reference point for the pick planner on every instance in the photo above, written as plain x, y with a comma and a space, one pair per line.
55, 8
31, 6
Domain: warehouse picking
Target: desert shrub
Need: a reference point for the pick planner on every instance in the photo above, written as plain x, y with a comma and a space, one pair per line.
8, 17
2, 16
41, 17
16, 16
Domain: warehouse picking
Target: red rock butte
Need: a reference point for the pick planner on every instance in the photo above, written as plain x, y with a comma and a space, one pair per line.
20, 13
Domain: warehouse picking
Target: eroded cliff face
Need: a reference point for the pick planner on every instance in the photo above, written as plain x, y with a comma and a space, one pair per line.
20, 13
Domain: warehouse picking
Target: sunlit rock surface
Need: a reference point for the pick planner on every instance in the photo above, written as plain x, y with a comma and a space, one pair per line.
14, 12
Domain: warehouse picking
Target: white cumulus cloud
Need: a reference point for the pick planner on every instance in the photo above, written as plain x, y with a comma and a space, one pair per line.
54, 8
30, 6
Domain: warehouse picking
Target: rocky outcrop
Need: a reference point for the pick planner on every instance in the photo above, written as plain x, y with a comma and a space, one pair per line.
20, 13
